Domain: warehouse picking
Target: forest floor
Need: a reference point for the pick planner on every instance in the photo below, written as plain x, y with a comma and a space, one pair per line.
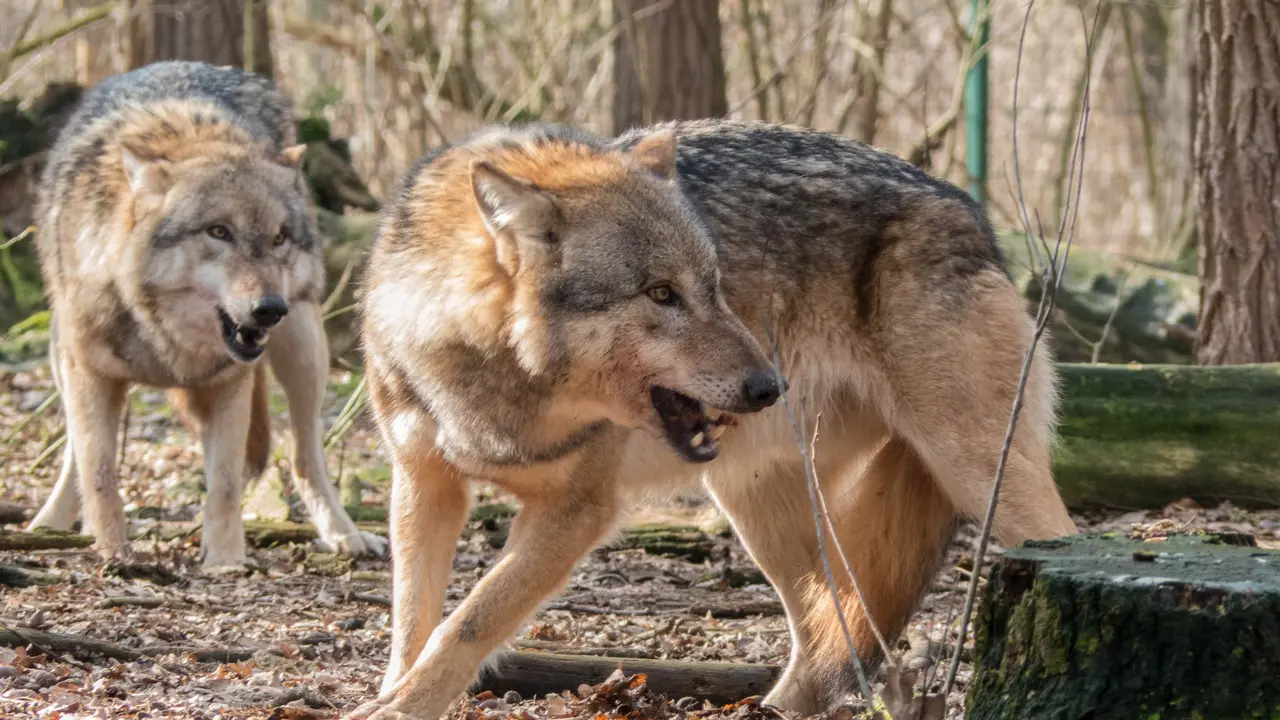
306, 636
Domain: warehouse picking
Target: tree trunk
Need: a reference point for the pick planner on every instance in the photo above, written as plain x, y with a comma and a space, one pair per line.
668, 63
867, 72
1103, 627
214, 31
1238, 179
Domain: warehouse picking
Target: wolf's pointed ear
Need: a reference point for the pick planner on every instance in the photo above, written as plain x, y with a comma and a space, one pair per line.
508, 203
657, 154
292, 156
146, 172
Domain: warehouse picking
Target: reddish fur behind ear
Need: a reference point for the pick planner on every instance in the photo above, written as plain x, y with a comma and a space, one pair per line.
657, 154
292, 156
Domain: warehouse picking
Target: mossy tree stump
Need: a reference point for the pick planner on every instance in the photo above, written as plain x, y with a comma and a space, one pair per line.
1103, 627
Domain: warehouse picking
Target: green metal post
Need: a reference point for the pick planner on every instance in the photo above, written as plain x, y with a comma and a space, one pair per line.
975, 103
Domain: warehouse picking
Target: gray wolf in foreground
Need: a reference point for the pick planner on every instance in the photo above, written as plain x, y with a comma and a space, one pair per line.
175, 241
580, 321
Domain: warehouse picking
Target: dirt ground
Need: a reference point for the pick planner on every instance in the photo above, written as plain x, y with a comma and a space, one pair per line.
309, 635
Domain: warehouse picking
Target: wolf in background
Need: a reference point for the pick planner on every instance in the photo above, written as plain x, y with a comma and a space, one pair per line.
175, 240
580, 321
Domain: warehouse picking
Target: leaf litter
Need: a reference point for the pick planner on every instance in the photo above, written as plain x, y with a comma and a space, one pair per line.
293, 638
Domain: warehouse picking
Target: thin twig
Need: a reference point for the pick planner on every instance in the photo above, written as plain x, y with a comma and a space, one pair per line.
848, 566
818, 525
44, 405
1052, 274
92, 15
341, 285
1111, 318
20, 237
51, 449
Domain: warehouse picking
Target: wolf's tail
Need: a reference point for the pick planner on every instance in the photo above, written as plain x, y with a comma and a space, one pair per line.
258, 448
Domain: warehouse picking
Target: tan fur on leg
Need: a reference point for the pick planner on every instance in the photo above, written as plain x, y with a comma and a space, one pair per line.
299, 358
220, 414
893, 525
552, 533
429, 502
957, 423
93, 407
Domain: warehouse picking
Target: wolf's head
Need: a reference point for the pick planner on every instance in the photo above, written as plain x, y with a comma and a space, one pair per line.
617, 287
225, 242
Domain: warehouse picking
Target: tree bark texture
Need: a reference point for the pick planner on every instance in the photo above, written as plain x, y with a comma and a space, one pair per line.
868, 71
1106, 628
213, 31
668, 62
1237, 151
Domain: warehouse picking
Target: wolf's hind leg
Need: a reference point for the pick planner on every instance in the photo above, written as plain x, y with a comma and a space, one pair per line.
893, 525
60, 510
954, 382
299, 356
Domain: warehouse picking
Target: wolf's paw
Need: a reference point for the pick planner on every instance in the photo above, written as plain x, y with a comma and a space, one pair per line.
357, 544
376, 710
225, 563
53, 518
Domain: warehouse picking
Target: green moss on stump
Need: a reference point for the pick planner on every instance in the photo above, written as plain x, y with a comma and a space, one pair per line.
1101, 627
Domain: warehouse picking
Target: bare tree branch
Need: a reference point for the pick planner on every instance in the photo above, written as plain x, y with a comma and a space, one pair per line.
1052, 275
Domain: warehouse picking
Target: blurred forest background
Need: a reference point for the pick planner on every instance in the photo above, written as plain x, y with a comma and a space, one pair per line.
379, 83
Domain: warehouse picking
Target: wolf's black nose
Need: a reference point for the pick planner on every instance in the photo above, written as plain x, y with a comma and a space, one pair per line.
269, 309
763, 389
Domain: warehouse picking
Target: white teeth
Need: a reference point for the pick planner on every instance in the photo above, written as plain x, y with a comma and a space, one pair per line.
715, 432
697, 440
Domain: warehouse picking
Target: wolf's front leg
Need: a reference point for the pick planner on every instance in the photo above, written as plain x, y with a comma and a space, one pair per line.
299, 356
224, 432
93, 405
428, 510
548, 538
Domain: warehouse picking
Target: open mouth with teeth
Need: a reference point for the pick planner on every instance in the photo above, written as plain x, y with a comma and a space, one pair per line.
691, 428
245, 343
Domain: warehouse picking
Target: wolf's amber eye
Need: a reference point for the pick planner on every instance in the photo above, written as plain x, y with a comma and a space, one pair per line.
663, 295
218, 232
279, 239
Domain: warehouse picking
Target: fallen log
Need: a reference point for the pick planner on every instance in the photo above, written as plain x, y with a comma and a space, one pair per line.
11, 514
1142, 436
84, 647
1103, 627
20, 577
535, 674
661, 540
74, 645
42, 540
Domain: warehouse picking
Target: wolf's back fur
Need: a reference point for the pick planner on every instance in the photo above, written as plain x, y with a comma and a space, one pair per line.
881, 290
